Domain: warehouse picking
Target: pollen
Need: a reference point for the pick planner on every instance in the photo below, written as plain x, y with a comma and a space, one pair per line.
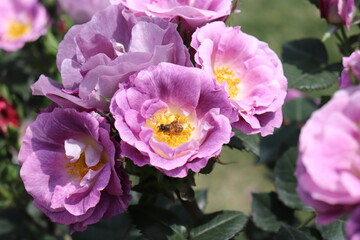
79, 168
171, 128
225, 74
17, 29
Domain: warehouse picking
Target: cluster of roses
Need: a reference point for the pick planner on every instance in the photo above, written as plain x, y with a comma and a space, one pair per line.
130, 90
328, 166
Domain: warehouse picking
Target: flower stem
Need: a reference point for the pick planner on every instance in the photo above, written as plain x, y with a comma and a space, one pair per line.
347, 46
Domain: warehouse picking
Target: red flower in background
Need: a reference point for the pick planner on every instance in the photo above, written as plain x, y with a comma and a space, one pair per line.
8, 116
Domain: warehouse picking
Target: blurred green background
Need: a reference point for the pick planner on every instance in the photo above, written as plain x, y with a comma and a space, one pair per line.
275, 22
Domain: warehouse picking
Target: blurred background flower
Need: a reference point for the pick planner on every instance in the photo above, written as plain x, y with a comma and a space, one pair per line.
8, 116
21, 22
81, 11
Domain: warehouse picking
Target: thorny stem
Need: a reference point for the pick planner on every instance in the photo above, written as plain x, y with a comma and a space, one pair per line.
307, 221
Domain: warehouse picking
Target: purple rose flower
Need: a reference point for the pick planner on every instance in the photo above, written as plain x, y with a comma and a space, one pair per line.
328, 165
351, 70
338, 11
171, 117
69, 166
250, 72
191, 14
98, 55
81, 11
352, 225
20, 22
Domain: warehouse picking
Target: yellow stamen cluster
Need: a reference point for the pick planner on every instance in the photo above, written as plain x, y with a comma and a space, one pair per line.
17, 29
226, 74
171, 128
79, 168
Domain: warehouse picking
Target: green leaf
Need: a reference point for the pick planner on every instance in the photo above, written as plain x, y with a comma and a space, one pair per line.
15, 224
269, 213
252, 232
315, 2
179, 233
306, 54
219, 226
154, 222
118, 227
272, 147
333, 231
209, 166
317, 79
51, 43
6, 226
289, 233
311, 233
245, 142
298, 110
285, 180
201, 198
306, 65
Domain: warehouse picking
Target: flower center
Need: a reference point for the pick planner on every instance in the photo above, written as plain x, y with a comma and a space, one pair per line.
171, 128
225, 74
79, 168
16, 29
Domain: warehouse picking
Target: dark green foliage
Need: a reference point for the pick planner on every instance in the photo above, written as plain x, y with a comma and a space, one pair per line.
155, 223
269, 213
298, 110
285, 180
333, 231
306, 54
317, 79
306, 65
248, 143
219, 226
120, 227
289, 233
273, 146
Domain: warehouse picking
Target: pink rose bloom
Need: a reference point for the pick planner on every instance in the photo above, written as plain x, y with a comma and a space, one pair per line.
70, 168
329, 161
351, 70
81, 11
250, 72
338, 11
21, 21
190, 13
171, 117
96, 56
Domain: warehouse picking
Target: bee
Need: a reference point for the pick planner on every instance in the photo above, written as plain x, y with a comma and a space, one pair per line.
172, 128
176, 127
164, 128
